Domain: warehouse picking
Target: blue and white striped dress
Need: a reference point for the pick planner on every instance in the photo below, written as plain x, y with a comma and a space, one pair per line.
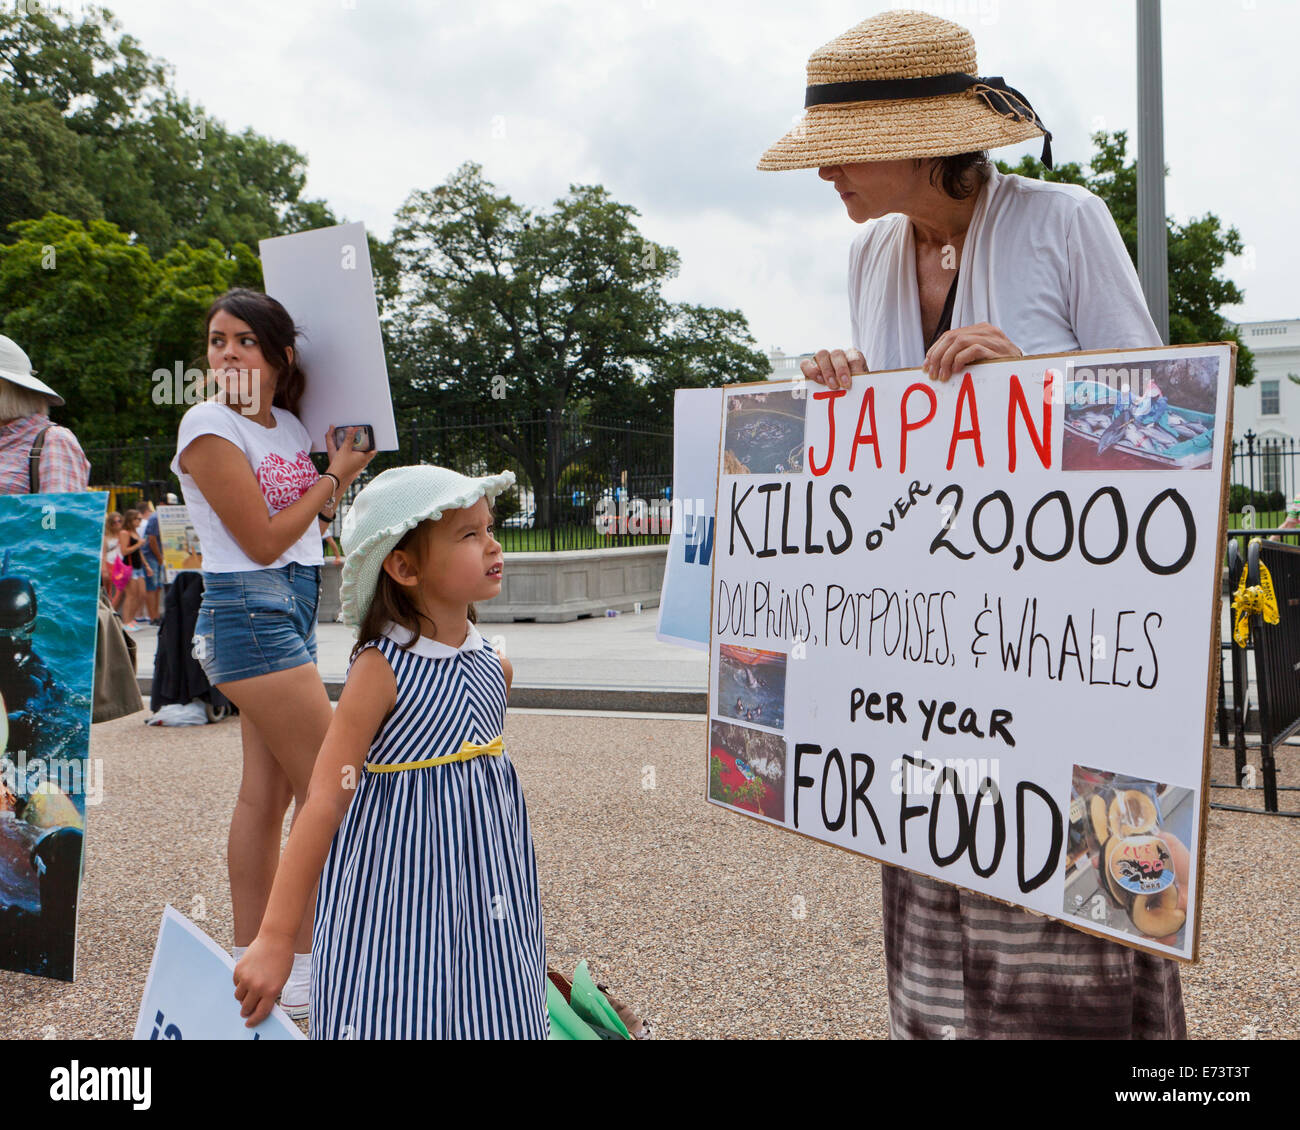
428, 922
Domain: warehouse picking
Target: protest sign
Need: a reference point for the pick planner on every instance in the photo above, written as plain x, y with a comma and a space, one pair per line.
48, 623
323, 279
190, 993
684, 595
970, 628
180, 542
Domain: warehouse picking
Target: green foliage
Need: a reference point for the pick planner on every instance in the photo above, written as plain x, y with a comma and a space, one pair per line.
40, 163
124, 210
717, 789
566, 306
98, 315
751, 792
90, 128
71, 295
1240, 496
98, 84
1197, 249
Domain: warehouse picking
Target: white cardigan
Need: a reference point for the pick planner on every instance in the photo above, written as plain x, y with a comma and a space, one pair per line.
1043, 262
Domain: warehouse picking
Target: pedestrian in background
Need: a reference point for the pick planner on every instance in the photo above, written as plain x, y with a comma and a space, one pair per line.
131, 545
153, 557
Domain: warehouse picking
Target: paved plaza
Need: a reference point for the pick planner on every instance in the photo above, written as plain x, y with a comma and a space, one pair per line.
710, 924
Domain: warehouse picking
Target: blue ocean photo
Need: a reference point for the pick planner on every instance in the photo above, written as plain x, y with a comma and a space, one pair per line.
50, 548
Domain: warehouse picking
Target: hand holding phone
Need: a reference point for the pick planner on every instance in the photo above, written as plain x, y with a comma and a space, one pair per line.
363, 441
348, 464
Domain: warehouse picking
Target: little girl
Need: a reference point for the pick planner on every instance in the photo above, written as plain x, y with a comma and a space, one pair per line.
428, 924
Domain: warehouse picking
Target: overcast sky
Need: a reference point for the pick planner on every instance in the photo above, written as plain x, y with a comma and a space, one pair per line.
669, 103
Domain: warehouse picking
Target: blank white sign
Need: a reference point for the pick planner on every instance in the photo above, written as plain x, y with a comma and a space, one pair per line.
323, 279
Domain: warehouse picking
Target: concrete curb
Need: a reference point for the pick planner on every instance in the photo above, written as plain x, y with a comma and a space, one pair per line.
648, 701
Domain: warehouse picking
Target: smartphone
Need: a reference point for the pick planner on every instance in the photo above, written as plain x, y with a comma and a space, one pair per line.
363, 441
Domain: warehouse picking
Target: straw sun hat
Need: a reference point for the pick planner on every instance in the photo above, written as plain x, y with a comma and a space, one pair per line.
390, 505
902, 85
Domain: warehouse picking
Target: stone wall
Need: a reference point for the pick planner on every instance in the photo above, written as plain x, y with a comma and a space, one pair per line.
553, 587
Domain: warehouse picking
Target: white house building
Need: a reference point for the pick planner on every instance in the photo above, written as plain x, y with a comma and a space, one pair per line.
784, 368
1270, 408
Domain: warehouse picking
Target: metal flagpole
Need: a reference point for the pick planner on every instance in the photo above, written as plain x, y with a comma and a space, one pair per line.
1152, 233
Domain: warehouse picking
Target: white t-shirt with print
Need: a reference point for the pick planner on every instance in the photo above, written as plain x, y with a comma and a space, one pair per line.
280, 460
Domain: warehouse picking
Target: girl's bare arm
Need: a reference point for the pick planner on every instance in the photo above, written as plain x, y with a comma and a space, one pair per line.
222, 473
369, 694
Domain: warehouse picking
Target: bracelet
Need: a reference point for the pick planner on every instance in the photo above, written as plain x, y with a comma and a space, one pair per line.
338, 483
326, 518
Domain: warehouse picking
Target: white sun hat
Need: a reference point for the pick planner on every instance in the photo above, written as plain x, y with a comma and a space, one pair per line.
16, 366
393, 503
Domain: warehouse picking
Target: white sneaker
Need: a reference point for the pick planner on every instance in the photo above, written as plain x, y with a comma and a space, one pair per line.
295, 997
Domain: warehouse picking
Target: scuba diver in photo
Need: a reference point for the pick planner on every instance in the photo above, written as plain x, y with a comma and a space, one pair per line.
38, 726
26, 684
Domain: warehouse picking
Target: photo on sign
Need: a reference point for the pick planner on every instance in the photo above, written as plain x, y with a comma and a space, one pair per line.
180, 542
747, 769
1127, 862
751, 685
1145, 416
48, 621
764, 433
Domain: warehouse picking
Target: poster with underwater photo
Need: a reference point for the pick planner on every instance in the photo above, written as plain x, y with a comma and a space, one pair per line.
49, 598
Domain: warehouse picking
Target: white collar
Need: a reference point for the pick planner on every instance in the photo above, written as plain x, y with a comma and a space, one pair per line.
423, 645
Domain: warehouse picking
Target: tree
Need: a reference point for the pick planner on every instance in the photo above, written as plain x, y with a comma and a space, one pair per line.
40, 163
100, 317
186, 282
97, 84
526, 314
152, 162
71, 296
1197, 249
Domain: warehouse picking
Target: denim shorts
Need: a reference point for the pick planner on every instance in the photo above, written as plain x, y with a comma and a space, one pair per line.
256, 622
153, 581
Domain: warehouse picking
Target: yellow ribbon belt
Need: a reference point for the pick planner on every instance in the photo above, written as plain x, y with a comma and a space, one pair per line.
1252, 600
467, 750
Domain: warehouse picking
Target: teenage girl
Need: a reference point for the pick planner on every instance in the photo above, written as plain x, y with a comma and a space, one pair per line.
258, 506
428, 924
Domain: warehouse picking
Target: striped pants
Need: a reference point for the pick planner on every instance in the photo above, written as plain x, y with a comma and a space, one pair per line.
962, 966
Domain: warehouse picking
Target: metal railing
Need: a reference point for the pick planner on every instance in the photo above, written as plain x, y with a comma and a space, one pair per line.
1276, 652
581, 482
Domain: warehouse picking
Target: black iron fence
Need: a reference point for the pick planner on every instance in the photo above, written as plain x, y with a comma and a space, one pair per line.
581, 482
1275, 650
1264, 474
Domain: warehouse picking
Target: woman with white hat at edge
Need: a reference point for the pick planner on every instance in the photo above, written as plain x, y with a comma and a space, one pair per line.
959, 264
35, 454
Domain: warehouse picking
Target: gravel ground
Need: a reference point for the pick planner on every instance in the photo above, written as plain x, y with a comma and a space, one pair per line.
709, 924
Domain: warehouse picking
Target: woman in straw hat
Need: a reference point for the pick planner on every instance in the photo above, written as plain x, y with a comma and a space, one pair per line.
960, 264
